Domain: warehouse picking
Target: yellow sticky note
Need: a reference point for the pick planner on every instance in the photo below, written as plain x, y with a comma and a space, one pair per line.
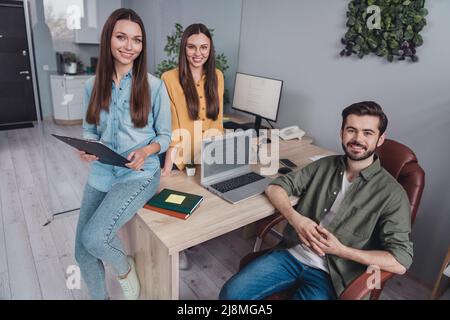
175, 198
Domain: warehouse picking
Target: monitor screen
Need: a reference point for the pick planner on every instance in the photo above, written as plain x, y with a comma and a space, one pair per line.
226, 154
257, 95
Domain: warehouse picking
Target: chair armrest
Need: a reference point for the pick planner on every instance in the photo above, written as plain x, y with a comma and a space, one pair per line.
358, 288
264, 226
268, 223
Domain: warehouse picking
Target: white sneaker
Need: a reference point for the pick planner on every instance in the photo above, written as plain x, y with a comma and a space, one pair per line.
184, 263
130, 285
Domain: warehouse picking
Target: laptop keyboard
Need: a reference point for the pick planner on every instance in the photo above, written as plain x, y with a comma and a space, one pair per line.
237, 182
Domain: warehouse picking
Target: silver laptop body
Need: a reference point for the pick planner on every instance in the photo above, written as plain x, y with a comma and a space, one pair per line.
234, 150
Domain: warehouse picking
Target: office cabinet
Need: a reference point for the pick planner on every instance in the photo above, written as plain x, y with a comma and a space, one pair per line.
67, 98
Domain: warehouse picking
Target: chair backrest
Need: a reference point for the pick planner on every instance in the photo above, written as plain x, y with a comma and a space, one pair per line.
401, 162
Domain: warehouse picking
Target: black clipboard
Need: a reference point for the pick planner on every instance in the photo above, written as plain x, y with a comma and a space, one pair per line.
96, 148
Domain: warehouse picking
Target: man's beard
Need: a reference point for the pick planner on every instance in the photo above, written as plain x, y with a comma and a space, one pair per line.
364, 156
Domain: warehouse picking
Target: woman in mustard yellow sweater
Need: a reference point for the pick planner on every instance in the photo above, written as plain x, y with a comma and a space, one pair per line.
196, 91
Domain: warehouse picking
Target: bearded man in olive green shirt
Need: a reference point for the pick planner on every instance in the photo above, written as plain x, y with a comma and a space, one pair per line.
351, 214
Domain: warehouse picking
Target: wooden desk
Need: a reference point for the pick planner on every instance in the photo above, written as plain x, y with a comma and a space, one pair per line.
155, 240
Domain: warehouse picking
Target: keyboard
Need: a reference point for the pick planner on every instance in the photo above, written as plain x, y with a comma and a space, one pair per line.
233, 125
244, 126
237, 182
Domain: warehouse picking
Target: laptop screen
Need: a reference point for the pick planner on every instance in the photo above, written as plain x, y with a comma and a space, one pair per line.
225, 154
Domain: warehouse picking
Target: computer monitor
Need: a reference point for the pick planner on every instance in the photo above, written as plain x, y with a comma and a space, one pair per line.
258, 96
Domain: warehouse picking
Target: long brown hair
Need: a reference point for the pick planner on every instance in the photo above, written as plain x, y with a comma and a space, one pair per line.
187, 81
140, 91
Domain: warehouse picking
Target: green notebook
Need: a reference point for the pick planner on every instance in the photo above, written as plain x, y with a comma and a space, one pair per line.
178, 201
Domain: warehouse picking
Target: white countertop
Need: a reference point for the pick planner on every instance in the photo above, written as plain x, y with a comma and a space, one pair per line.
70, 76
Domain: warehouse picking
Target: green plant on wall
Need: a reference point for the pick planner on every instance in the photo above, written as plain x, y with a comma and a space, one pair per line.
391, 31
172, 50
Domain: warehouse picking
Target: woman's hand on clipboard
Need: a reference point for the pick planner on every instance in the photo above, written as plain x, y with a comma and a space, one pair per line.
137, 158
86, 157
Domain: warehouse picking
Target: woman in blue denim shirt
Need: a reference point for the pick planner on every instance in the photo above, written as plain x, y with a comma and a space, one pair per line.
128, 110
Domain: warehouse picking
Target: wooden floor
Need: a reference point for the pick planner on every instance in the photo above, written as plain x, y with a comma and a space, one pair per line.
39, 177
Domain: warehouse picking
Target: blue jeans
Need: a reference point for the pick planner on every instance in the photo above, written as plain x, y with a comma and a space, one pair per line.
274, 272
101, 216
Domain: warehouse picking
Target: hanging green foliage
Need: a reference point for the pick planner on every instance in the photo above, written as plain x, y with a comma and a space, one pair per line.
388, 28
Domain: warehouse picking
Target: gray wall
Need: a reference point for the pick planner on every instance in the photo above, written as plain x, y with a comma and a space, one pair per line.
44, 54
298, 41
160, 16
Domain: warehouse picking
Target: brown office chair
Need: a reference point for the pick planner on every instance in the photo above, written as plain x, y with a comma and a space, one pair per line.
401, 163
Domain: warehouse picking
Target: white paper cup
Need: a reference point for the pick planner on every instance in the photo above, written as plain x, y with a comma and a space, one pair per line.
190, 171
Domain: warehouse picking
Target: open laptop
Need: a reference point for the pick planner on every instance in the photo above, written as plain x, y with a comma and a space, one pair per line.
226, 167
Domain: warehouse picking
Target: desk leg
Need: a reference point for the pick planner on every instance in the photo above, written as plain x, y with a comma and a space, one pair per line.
157, 270
437, 286
249, 231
